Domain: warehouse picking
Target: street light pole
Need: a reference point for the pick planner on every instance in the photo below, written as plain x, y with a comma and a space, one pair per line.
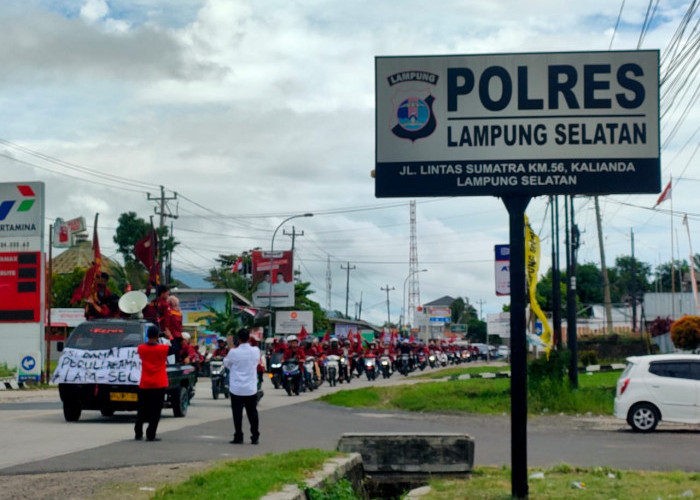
272, 251
403, 308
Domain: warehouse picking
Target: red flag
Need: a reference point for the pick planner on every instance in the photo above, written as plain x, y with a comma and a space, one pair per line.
238, 266
412, 339
359, 338
302, 334
146, 250
87, 287
394, 335
665, 194
326, 337
352, 342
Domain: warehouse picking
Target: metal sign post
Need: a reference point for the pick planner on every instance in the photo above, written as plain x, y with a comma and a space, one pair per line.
516, 206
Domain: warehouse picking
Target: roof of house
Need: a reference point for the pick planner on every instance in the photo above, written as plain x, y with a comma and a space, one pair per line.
442, 301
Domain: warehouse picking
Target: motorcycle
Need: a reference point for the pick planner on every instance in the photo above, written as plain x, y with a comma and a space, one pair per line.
332, 368
219, 377
422, 361
464, 354
276, 369
385, 364
432, 360
344, 374
370, 366
310, 378
291, 376
443, 359
404, 364
356, 364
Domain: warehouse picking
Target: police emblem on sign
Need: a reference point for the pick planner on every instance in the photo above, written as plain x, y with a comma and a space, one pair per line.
412, 114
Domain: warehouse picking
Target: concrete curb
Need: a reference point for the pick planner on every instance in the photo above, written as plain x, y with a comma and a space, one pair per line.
333, 470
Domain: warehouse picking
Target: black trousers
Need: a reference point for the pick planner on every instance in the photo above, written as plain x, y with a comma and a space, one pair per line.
150, 406
250, 403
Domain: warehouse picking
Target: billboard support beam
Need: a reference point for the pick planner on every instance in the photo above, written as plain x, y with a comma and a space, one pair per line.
516, 206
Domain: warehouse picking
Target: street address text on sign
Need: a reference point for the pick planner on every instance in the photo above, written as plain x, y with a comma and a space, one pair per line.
517, 124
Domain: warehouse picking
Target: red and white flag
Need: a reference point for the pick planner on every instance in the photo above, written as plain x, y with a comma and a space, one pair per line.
238, 265
665, 195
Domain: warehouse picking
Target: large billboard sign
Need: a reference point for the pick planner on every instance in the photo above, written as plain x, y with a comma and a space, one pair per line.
517, 124
273, 278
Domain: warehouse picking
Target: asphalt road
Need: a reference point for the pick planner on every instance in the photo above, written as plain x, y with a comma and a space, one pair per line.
35, 437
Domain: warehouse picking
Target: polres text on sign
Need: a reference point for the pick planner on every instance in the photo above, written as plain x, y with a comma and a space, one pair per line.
518, 124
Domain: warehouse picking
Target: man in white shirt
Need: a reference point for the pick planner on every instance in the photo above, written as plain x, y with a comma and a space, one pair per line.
242, 363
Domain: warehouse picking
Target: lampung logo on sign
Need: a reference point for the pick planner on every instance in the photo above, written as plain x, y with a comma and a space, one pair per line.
25, 203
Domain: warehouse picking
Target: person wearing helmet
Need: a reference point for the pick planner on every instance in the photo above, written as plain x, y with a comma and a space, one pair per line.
294, 351
335, 348
221, 348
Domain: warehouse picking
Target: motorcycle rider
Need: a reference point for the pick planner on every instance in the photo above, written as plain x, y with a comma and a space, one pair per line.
221, 348
310, 351
293, 351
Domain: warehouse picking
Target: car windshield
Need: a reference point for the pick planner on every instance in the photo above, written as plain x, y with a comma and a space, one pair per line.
97, 336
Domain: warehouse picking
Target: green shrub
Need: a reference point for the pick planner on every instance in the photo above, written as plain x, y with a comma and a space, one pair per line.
549, 371
588, 357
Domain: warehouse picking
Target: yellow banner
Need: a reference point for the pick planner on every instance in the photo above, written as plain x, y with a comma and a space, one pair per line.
532, 265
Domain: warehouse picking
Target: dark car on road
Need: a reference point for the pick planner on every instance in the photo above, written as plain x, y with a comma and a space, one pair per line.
99, 369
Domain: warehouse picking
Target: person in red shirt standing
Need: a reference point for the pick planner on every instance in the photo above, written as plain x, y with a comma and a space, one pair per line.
154, 381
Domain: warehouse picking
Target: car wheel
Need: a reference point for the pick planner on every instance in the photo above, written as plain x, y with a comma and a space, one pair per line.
71, 411
107, 412
643, 417
181, 401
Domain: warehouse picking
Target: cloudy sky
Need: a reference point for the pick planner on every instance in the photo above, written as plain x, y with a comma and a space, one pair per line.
253, 111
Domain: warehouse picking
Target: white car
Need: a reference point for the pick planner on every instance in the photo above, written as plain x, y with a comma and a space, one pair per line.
659, 387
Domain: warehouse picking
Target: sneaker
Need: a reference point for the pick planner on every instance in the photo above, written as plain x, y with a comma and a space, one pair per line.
236, 441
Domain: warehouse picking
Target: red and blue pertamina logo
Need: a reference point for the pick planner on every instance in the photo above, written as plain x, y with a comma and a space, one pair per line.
25, 203
413, 117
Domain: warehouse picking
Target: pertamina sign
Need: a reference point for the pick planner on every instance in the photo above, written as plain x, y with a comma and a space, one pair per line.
517, 124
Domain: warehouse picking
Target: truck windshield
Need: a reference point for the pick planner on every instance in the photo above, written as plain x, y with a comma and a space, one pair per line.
97, 336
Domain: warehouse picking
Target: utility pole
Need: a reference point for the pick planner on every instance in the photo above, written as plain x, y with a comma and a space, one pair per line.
572, 241
556, 274
480, 303
160, 210
604, 269
293, 234
633, 286
347, 285
388, 314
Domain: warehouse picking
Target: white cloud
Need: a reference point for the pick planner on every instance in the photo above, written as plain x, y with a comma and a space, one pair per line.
250, 107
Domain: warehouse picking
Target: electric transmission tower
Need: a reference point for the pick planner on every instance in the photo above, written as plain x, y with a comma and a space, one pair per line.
328, 285
413, 272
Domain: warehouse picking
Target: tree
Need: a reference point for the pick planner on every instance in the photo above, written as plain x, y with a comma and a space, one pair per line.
589, 284
226, 322
132, 229
461, 311
63, 286
685, 332
304, 303
224, 277
629, 277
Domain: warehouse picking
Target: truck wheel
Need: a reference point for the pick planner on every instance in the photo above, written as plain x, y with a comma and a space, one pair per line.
71, 411
181, 401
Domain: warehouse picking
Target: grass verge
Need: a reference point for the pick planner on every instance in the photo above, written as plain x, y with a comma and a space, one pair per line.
248, 479
491, 396
565, 482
